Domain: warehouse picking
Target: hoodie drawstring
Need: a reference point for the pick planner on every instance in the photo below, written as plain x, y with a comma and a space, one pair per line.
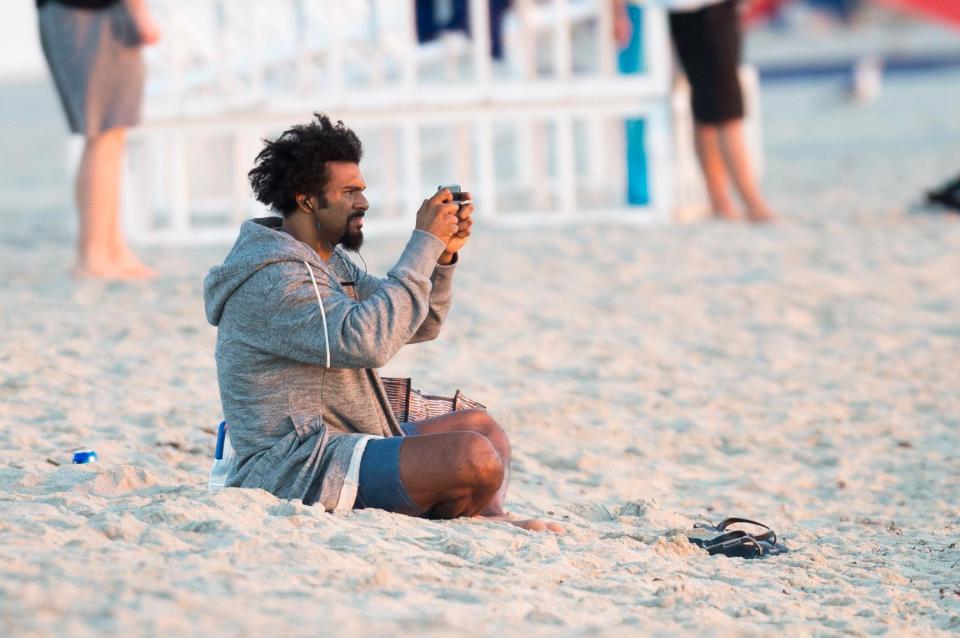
323, 314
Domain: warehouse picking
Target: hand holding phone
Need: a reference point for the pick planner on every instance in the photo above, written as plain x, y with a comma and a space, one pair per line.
438, 216
461, 197
464, 220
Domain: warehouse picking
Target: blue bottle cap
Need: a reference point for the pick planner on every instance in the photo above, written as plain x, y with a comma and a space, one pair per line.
84, 456
221, 436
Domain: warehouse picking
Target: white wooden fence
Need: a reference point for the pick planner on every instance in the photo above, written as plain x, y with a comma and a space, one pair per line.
538, 138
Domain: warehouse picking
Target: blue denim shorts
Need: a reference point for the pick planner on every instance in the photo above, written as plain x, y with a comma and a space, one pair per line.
380, 485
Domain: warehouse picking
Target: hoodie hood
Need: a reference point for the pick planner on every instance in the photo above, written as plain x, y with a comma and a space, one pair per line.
260, 243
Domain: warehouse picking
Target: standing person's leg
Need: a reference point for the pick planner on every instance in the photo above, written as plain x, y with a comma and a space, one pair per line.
96, 191
102, 251
98, 71
725, 38
459, 17
707, 141
426, 20
689, 30
737, 158
708, 43
497, 10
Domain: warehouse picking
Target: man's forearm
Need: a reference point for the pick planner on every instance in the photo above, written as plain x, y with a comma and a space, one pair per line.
441, 294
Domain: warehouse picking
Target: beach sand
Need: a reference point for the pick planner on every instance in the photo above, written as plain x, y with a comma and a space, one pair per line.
805, 374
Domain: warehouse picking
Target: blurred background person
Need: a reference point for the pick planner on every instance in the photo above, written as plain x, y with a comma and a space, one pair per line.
430, 24
708, 41
93, 50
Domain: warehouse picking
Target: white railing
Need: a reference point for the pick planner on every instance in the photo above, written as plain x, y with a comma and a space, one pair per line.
537, 138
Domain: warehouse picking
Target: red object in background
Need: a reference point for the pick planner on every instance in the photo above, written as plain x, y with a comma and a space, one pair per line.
758, 10
939, 10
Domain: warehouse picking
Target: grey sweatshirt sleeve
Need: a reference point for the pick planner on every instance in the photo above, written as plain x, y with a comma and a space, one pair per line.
363, 334
441, 296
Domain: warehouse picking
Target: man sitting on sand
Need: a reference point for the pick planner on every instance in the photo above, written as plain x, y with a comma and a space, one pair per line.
302, 330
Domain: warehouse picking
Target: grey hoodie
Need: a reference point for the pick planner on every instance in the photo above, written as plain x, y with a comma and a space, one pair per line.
293, 422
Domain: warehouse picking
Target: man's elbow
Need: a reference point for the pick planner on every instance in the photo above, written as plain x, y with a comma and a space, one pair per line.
426, 333
378, 359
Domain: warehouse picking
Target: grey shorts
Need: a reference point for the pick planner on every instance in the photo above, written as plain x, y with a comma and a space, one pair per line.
97, 66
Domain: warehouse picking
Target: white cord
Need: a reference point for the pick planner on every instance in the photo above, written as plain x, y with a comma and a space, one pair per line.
323, 314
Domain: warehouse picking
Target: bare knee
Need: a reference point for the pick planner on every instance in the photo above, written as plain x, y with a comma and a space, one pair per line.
480, 466
481, 421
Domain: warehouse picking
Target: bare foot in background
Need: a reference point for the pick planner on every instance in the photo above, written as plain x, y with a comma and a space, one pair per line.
112, 269
761, 215
97, 269
726, 214
131, 266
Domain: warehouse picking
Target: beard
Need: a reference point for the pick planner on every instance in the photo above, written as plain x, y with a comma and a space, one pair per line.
352, 239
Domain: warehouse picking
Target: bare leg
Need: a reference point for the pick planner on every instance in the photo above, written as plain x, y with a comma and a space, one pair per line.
450, 474
482, 423
706, 139
101, 250
734, 145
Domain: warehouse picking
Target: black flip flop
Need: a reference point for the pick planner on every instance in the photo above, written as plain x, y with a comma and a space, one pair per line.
739, 543
947, 195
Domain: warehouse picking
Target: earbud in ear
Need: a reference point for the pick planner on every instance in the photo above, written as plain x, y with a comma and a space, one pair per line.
306, 204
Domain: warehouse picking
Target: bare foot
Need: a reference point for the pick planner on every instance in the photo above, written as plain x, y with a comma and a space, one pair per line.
131, 266
95, 270
111, 270
137, 270
726, 214
529, 524
762, 215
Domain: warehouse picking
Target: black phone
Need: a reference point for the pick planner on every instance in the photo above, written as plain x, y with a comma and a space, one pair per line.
458, 195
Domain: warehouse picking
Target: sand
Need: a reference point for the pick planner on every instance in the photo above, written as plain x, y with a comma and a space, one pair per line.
805, 374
